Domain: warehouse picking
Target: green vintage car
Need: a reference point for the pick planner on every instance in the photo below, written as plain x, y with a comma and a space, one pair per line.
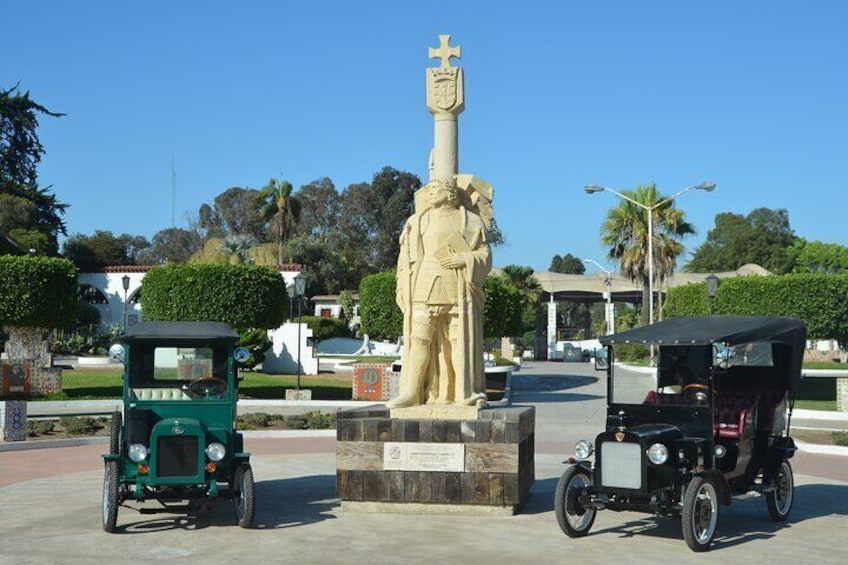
175, 439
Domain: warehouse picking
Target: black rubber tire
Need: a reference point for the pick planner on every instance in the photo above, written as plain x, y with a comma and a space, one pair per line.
111, 498
115, 433
700, 513
574, 519
244, 495
779, 501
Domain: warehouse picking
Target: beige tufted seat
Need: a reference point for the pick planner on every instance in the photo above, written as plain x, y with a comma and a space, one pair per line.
160, 394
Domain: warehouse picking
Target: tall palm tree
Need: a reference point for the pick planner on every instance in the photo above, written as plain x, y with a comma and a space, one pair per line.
625, 231
281, 209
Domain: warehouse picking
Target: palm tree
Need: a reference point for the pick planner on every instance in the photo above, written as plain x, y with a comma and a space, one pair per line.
625, 231
281, 209
236, 247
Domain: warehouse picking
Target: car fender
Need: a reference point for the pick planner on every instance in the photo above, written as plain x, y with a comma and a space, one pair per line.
720, 482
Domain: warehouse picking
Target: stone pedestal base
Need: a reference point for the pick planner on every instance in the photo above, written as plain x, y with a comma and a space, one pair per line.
425, 465
13, 417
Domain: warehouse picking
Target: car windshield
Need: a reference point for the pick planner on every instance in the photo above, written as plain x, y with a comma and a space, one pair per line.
681, 377
183, 372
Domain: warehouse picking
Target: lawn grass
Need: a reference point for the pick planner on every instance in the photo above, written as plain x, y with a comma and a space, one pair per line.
99, 384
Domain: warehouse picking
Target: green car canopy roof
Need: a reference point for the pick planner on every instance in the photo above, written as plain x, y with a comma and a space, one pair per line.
203, 331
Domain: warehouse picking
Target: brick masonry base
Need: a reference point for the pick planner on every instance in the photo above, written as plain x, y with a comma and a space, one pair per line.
498, 461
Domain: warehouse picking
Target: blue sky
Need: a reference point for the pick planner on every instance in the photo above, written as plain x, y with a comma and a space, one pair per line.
751, 95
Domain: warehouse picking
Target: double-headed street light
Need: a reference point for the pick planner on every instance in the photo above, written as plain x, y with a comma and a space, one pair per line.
705, 186
609, 312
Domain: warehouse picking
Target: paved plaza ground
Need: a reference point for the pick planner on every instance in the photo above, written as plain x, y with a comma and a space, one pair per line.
50, 506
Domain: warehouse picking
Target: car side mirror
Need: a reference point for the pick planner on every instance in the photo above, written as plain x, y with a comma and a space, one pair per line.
116, 353
241, 354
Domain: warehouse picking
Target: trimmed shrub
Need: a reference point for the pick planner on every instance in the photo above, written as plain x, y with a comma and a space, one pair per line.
37, 292
244, 296
37, 428
631, 352
817, 300
324, 327
83, 426
502, 312
382, 319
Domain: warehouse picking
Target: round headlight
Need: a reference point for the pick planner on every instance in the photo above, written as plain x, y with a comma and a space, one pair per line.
215, 451
658, 454
583, 449
720, 451
137, 453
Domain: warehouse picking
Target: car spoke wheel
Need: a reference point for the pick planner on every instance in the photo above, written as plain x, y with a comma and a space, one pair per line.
700, 513
574, 519
111, 497
115, 434
779, 501
244, 495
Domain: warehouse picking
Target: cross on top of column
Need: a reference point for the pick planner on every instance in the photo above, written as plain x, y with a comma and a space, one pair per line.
444, 51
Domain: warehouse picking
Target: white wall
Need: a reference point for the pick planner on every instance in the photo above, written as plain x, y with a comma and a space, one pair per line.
282, 357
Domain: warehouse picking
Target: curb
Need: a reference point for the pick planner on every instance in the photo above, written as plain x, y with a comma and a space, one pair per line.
822, 449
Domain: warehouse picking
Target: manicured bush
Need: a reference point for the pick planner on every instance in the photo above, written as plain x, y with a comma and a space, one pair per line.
820, 301
324, 327
381, 317
502, 312
244, 296
840, 438
256, 341
83, 426
631, 352
37, 292
37, 428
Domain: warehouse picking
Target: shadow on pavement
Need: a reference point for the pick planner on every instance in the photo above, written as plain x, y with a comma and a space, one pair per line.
283, 503
745, 520
544, 388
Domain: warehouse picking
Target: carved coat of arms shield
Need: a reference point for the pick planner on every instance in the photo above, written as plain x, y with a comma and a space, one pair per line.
444, 92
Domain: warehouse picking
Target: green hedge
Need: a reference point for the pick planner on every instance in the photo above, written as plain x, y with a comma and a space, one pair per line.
324, 327
37, 292
383, 320
820, 301
244, 296
502, 312
378, 309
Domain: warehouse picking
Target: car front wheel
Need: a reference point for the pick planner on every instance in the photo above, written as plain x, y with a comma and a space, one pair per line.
110, 496
574, 519
115, 433
244, 495
779, 501
700, 513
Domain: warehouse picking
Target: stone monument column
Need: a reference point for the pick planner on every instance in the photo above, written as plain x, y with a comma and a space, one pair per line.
445, 100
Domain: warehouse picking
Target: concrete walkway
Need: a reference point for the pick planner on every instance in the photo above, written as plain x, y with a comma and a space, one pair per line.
50, 506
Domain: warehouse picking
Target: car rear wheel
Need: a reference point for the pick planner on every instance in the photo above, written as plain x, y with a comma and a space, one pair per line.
779, 501
244, 495
700, 513
110, 496
115, 434
574, 519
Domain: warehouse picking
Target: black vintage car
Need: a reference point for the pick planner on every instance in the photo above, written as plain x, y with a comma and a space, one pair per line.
711, 422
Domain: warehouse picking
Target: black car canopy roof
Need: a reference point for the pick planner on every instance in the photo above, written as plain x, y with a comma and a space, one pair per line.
203, 331
703, 330
730, 330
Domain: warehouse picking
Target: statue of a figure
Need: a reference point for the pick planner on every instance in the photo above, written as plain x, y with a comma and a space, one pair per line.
443, 262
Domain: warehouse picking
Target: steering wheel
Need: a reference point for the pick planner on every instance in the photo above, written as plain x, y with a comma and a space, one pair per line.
207, 386
698, 391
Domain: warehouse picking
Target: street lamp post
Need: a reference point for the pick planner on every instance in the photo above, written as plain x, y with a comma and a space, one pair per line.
299, 290
705, 186
125, 282
609, 313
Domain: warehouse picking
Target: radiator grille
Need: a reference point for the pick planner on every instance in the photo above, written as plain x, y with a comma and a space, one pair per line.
177, 456
621, 465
